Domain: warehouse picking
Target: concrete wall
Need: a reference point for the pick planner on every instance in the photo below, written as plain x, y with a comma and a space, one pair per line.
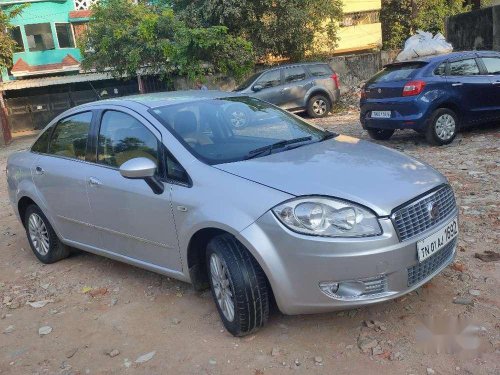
479, 29
353, 70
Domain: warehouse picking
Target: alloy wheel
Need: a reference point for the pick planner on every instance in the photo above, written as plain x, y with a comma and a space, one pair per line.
319, 107
445, 127
222, 285
39, 234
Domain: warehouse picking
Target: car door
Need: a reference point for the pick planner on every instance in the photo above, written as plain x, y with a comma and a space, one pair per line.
492, 67
295, 87
268, 87
133, 221
470, 86
60, 174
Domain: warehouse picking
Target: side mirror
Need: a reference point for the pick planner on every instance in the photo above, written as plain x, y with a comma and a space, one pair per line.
142, 169
138, 168
257, 88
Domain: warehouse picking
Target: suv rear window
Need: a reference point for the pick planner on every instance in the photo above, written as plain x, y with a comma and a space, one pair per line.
320, 70
397, 72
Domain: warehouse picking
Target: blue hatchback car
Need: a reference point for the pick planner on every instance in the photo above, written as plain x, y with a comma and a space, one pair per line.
435, 96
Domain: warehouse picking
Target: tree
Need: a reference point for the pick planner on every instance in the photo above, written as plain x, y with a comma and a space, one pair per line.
7, 45
130, 38
402, 18
275, 27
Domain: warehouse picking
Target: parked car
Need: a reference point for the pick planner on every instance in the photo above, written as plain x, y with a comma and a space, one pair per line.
313, 87
278, 209
435, 96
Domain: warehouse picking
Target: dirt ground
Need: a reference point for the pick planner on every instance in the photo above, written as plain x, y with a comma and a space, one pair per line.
104, 315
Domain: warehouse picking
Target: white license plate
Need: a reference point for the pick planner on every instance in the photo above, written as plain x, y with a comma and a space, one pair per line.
435, 242
381, 114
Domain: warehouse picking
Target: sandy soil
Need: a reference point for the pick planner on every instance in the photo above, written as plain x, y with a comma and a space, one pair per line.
135, 312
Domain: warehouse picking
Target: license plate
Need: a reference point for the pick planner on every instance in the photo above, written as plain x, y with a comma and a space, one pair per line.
435, 242
381, 114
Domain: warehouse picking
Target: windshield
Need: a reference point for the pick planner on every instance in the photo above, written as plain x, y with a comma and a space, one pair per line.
248, 82
397, 72
233, 129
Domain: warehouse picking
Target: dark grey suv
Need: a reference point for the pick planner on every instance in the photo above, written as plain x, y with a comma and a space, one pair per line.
312, 86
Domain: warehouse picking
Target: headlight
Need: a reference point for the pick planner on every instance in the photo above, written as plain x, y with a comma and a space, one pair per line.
327, 217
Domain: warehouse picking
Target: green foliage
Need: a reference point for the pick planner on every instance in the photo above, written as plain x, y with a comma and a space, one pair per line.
7, 45
146, 38
274, 27
402, 18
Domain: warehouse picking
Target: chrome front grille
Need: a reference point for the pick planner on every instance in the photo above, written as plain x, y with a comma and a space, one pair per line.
415, 218
422, 270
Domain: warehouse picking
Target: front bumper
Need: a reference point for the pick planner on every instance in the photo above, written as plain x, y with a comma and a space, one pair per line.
296, 264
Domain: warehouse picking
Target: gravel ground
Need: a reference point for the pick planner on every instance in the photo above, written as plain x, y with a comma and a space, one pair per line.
103, 317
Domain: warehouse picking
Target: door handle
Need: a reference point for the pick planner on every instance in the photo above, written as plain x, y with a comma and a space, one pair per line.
39, 170
496, 83
94, 181
457, 84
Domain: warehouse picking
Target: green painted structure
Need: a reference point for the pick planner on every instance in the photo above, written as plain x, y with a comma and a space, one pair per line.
51, 60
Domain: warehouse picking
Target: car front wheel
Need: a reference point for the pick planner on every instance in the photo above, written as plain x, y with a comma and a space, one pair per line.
381, 134
443, 127
42, 238
318, 106
239, 286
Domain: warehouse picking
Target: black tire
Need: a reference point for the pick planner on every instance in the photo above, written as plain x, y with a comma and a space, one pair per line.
318, 106
246, 281
56, 250
380, 134
436, 135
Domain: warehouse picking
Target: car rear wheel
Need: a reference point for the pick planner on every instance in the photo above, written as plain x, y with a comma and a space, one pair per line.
239, 286
42, 238
381, 134
443, 127
318, 106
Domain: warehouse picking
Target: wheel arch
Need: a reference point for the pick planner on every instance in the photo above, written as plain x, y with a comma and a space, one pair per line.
453, 107
22, 206
196, 256
318, 91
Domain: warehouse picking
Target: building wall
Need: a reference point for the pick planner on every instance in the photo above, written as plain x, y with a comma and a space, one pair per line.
360, 29
43, 12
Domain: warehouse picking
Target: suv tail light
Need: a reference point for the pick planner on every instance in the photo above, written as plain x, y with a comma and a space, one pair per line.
413, 88
364, 94
335, 78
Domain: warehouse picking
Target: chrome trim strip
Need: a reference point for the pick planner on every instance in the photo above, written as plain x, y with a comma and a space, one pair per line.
126, 235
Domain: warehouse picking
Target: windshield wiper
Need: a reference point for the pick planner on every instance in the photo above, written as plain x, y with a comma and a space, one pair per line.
269, 148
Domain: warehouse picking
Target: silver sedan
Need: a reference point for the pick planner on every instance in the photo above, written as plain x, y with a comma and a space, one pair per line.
232, 193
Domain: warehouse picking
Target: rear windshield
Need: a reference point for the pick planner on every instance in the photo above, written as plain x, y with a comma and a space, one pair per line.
397, 72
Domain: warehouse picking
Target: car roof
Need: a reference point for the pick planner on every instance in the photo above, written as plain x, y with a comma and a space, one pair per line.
160, 99
447, 56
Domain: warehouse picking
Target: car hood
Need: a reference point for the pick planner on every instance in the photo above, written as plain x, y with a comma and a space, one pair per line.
344, 167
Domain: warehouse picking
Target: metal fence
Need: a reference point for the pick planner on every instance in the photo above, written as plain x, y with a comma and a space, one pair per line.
33, 112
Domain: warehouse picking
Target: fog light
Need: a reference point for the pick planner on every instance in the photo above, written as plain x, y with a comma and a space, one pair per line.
329, 288
353, 290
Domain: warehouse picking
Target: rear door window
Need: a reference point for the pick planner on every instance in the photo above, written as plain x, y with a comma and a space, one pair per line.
397, 72
294, 74
440, 70
70, 135
492, 64
320, 70
467, 67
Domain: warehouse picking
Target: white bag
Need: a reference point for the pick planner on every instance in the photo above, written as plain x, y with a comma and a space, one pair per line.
424, 44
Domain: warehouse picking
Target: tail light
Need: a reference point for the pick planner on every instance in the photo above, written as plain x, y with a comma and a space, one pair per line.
363, 93
335, 78
413, 88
